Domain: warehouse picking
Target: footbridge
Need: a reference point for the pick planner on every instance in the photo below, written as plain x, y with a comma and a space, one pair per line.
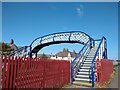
83, 66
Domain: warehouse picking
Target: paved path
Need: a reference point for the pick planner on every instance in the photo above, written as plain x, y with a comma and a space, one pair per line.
114, 82
75, 86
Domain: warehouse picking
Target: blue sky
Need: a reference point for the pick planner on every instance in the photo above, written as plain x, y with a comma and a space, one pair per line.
24, 22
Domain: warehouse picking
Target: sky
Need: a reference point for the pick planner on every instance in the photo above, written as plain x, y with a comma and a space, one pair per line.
24, 22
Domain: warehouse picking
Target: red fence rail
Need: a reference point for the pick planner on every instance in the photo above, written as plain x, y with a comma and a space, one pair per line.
104, 69
34, 73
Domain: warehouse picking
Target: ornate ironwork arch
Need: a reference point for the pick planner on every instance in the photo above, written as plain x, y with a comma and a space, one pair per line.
55, 38
61, 37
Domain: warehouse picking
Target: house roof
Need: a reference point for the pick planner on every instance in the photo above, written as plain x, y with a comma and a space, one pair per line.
39, 55
65, 52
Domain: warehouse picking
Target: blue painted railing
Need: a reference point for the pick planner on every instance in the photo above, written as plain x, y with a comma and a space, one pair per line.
79, 59
91, 70
21, 51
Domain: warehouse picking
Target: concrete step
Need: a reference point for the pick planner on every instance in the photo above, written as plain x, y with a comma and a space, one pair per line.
84, 76
82, 79
82, 83
86, 62
92, 54
94, 48
89, 57
85, 73
92, 51
84, 70
84, 67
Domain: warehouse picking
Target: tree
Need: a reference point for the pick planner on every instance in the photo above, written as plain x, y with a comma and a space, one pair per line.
5, 49
43, 56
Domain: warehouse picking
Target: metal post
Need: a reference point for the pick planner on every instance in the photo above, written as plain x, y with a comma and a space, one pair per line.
36, 55
103, 52
101, 48
90, 43
30, 54
69, 36
93, 43
106, 49
92, 77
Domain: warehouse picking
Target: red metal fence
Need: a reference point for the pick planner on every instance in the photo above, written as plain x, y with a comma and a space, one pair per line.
104, 69
35, 73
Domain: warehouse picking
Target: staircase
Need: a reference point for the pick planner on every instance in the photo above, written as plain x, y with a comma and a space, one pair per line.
83, 66
82, 77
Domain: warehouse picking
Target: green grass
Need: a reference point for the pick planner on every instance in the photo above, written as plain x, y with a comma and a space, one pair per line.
116, 65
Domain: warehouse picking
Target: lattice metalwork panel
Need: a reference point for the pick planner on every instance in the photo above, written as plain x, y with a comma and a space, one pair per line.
61, 37
64, 36
97, 43
80, 37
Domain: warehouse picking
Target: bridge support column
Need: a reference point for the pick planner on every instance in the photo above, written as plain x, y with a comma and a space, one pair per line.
105, 49
30, 54
35, 55
93, 43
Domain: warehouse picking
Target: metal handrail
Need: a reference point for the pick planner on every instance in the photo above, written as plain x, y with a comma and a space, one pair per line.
18, 50
92, 64
79, 63
79, 52
85, 48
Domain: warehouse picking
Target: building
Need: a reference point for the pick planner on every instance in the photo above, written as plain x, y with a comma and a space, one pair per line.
64, 55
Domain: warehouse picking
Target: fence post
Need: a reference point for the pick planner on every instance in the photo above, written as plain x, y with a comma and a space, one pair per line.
15, 72
11, 72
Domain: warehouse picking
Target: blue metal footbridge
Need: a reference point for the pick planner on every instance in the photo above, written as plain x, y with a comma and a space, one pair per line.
83, 66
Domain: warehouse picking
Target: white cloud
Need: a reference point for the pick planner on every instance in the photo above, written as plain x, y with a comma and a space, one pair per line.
79, 10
